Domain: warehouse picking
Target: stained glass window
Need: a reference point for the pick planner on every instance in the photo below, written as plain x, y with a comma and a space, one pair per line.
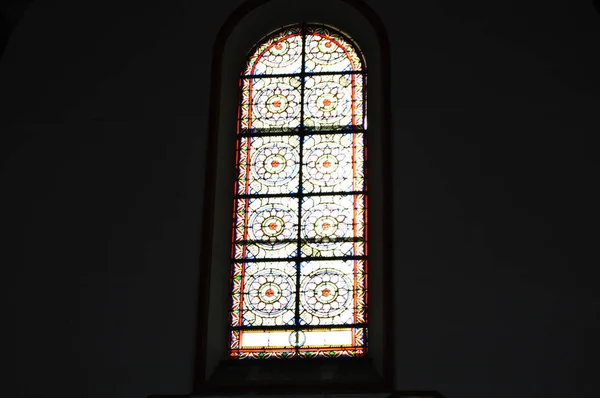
299, 252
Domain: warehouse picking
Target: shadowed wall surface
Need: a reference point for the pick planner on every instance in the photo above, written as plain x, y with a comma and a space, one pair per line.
103, 119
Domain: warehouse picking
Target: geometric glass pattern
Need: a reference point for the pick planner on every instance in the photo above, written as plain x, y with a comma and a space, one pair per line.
299, 252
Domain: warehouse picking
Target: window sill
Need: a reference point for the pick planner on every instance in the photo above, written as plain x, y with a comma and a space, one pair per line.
337, 375
359, 394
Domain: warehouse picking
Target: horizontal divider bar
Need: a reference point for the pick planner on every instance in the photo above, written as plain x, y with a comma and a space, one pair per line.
306, 74
299, 194
300, 131
300, 327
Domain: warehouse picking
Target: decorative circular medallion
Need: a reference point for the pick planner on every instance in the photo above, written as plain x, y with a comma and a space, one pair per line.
282, 53
326, 226
268, 292
326, 292
324, 223
328, 102
323, 163
297, 338
322, 50
272, 224
277, 103
326, 163
275, 164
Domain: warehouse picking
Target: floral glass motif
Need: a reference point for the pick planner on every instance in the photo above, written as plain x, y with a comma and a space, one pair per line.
299, 250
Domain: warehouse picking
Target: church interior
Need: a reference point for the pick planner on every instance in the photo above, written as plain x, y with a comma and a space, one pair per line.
105, 110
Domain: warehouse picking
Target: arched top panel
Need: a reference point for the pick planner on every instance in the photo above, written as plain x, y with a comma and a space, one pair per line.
325, 50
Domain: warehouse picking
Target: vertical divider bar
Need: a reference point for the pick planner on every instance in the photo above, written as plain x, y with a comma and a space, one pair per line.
300, 191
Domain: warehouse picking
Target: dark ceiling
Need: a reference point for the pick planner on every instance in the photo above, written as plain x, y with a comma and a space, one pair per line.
11, 12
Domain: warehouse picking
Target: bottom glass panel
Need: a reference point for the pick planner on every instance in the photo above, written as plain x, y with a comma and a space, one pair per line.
334, 342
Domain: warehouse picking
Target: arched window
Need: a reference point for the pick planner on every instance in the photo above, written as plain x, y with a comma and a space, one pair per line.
299, 250
286, 276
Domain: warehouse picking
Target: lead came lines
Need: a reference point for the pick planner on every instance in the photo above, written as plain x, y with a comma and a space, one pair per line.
329, 199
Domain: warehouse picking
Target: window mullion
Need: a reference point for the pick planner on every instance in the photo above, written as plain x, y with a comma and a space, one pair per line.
300, 189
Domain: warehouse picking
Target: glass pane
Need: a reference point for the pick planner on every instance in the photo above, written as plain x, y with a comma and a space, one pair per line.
333, 163
298, 272
333, 226
279, 54
263, 294
328, 342
268, 165
270, 103
333, 100
326, 217
266, 227
332, 292
328, 52
356, 348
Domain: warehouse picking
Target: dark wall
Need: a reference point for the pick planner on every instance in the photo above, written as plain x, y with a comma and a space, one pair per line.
103, 120
496, 111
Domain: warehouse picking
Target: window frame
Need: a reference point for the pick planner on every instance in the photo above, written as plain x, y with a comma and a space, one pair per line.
302, 131
213, 288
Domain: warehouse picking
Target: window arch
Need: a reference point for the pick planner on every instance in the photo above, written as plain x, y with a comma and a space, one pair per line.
244, 28
299, 266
